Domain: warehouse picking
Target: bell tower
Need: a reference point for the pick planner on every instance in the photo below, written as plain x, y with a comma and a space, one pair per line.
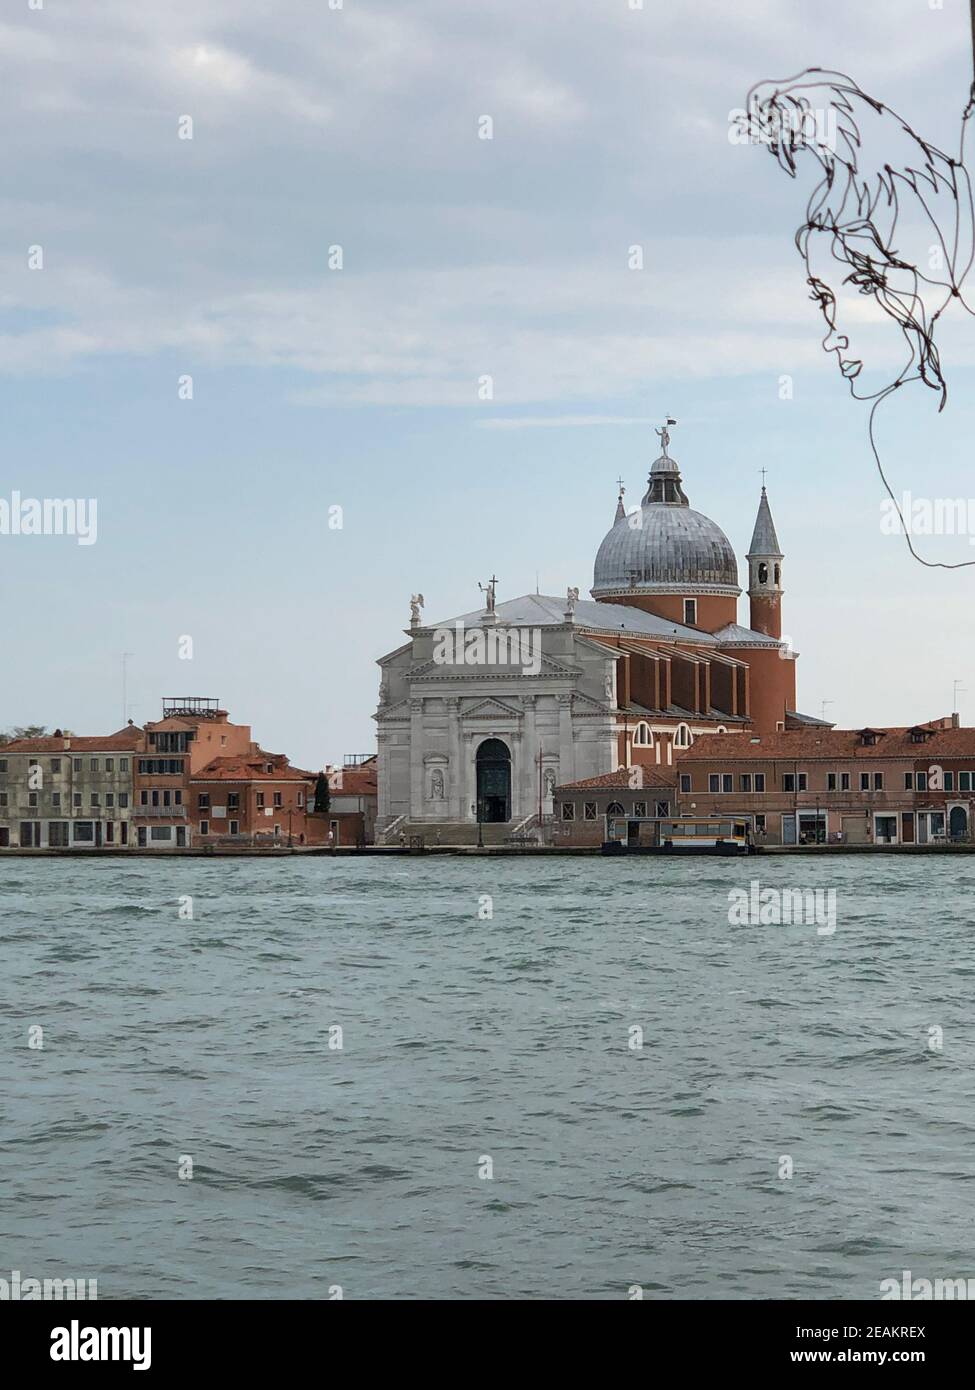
765, 573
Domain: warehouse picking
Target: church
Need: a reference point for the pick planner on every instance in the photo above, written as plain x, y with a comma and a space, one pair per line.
482, 716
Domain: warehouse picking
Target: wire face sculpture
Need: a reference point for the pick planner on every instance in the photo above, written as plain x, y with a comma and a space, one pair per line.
890, 219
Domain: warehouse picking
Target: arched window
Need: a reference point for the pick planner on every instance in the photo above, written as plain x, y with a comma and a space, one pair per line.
763, 574
683, 738
643, 735
721, 729
778, 574
614, 809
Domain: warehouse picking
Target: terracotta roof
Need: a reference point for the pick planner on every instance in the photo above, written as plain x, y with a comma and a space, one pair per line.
356, 781
652, 777
819, 743
128, 739
251, 769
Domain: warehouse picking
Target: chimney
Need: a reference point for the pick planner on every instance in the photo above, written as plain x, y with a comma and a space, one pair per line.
956, 721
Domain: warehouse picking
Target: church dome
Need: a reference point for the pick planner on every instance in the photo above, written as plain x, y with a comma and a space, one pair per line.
673, 547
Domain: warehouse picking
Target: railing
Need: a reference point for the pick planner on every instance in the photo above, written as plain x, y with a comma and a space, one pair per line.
157, 812
391, 829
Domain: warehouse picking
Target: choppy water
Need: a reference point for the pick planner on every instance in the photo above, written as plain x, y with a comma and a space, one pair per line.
464, 1037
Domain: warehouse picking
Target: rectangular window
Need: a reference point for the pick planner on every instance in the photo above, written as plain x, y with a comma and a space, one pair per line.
908, 781
568, 810
277, 798
746, 781
589, 811
204, 827
95, 801
802, 781
57, 834
844, 781
110, 832
964, 781
788, 782
167, 797
123, 799
233, 801
949, 781
759, 781
864, 781
76, 798
84, 832
639, 808
203, 801
32, 798
714, 782
76, 764
727, 782
690, 612
235, 827
177, 797
3, 798
260, 801
109, 764
878, 781
55, 798
759, 822
301, 800
685, 781
663, 808
3, 764
94, 765
161, 832
123, 764
55, 766
831, 781
921, 781
110, 799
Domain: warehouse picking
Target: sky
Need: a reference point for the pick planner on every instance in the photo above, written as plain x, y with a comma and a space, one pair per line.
352, 393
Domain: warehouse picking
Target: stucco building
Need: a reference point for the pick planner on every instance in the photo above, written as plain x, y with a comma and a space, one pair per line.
856, 786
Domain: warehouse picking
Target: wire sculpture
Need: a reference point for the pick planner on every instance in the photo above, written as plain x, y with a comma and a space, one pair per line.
892, 217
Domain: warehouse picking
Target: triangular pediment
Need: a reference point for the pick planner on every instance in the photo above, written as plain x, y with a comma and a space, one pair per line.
492, 709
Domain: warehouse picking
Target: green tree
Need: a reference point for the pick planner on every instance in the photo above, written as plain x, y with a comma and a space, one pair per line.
23, 731
322, 796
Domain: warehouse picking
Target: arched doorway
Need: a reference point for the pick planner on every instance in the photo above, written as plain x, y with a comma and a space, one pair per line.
493, 781
958, 823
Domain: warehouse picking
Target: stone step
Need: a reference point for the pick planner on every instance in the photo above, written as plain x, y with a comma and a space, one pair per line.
453, 832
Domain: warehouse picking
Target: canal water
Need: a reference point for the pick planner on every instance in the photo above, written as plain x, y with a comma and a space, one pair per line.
486, 1077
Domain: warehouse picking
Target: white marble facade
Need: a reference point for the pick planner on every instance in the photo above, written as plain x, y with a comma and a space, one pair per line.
556, 714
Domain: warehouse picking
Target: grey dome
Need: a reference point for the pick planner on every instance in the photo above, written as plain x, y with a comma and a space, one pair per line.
674, 547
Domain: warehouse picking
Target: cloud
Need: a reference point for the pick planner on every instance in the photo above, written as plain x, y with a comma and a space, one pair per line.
463, 258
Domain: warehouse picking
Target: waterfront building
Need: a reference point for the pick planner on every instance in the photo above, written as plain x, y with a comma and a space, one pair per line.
256, 799
191, 778
353, 803
67, 792
867, 786
482, 716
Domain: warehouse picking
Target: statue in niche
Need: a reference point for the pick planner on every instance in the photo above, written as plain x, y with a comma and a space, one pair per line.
549, 783
608, 686
436, 785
